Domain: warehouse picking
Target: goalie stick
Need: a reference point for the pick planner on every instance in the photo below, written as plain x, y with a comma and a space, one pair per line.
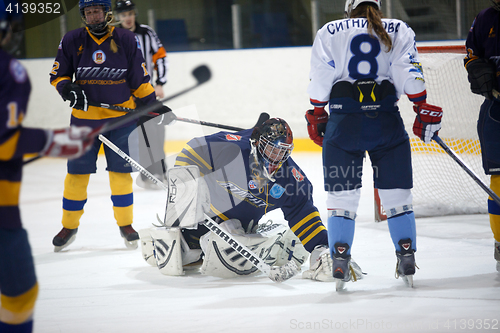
275, 273
201, 73
466, 168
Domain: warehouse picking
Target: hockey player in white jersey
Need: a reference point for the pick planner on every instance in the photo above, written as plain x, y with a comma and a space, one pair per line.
360, 66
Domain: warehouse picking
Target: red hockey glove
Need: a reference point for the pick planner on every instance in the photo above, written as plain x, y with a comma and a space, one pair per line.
316, 124
428, 121
70, 142
76, 96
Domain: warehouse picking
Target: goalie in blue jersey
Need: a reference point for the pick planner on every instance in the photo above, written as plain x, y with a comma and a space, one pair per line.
247, 175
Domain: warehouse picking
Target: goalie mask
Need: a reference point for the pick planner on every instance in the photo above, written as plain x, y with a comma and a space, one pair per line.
272, 144
351, 5
96, 14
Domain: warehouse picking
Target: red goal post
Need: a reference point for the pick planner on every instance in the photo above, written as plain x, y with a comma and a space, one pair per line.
439, 187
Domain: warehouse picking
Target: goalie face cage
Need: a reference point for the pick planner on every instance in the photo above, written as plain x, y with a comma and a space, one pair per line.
440, 186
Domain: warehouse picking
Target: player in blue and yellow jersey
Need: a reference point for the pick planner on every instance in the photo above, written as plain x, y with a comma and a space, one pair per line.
250, 173
483, 65
18, 283
100, 64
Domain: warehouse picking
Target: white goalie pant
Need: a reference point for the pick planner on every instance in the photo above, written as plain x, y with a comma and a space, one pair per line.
275, 243
166, 249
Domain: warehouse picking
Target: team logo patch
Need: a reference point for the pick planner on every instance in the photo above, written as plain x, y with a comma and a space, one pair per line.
277, 191
18, 72
99, 57
297, 175
233, 137
252, 185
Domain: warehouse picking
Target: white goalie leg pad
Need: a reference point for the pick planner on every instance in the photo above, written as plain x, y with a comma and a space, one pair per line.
147, 247
269, 243
167, 250
188, 197
396, 201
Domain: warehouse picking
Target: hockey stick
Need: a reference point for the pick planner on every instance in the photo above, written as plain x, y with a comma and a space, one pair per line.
201, 73
262, 118
275, 273
466, 168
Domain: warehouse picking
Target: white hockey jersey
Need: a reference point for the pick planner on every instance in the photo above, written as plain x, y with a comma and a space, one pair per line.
344, 51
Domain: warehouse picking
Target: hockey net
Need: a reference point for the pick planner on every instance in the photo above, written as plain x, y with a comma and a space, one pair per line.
440, 185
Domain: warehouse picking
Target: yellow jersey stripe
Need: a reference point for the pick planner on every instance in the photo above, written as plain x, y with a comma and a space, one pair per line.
307, 229
218, 213
195, 154
59, 79
144, 90
305, 220
314, 233
16, 310
103, 38
8, 148
181, 155
10, 193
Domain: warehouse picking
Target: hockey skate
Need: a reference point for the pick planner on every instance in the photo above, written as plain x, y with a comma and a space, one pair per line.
497, 255
405, 266
64, 238
320, 265
344, 269
130, 236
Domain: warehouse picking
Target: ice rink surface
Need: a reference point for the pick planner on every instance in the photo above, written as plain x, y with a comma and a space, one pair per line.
97, 285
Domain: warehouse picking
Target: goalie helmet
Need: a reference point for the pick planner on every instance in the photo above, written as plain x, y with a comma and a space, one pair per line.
97, 28
272, 144
124, 6
351, 5
11, 26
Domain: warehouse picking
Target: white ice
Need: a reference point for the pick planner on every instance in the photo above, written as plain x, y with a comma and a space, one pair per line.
96, 285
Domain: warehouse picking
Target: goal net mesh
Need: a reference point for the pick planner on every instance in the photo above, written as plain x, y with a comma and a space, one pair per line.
440, 185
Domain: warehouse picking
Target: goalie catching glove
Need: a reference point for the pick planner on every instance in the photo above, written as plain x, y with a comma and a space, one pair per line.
316, 124
73, 93
427, 122
70, 142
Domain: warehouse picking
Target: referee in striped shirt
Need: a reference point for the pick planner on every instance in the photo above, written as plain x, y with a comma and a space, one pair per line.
156, 59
